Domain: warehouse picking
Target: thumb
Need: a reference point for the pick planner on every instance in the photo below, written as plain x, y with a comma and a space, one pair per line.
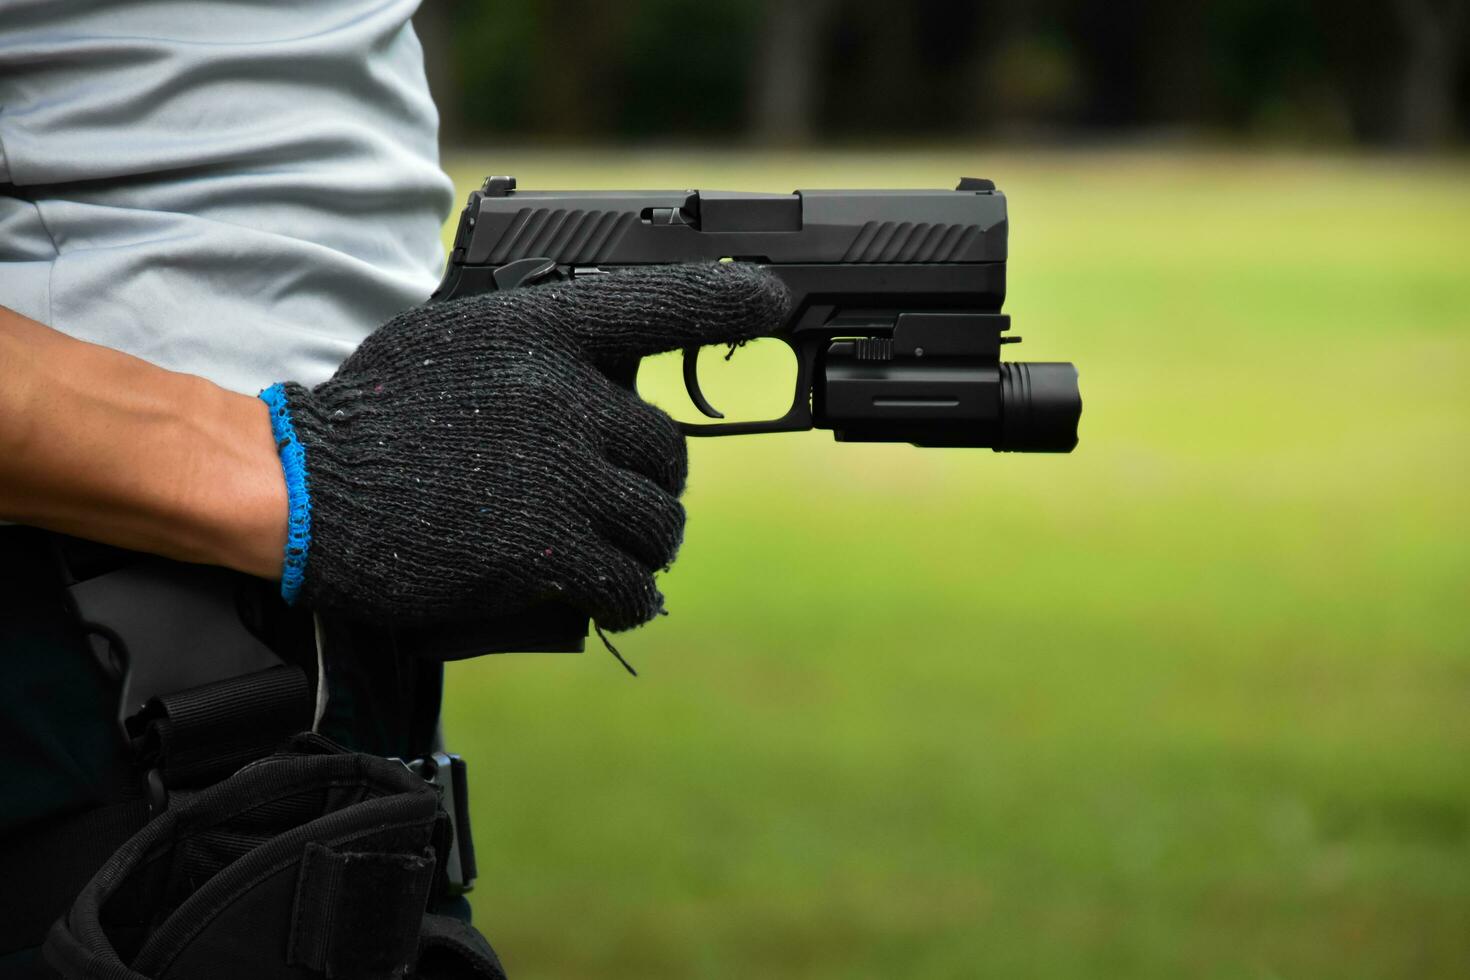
645, 311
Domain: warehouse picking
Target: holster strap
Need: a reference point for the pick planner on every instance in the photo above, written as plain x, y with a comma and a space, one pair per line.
359, 914
196, 737
451, 949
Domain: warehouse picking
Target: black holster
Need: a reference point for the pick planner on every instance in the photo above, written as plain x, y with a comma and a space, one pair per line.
313, 862
215, 673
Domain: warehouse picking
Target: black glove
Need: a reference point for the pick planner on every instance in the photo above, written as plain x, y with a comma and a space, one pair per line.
473, 458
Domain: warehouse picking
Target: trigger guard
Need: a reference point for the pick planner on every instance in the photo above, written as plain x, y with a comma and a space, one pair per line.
691, 384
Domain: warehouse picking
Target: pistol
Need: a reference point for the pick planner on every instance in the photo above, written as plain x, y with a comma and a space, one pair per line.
895, 324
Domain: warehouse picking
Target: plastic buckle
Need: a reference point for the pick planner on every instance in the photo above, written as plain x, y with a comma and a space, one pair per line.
446, 773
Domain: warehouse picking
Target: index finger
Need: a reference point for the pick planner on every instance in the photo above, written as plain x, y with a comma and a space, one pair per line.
645, 311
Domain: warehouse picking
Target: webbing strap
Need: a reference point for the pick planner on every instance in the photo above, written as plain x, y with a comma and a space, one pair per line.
201, 735
450, 949
51, 864
359, 914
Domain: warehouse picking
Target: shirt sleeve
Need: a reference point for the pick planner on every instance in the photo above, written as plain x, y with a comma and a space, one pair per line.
237, 190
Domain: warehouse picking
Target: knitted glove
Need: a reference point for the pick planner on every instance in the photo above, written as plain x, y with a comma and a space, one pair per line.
472, 458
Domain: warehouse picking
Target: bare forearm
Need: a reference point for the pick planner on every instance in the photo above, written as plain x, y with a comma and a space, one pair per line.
105, 446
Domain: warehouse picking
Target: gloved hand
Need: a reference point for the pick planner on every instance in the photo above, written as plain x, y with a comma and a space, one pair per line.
472, 458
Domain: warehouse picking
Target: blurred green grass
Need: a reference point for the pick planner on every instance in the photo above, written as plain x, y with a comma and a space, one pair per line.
1191, 702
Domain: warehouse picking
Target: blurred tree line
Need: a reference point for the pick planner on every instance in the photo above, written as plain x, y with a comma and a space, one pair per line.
1377, 71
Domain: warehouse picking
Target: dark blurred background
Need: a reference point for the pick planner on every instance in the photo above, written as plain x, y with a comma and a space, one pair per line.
1378, 72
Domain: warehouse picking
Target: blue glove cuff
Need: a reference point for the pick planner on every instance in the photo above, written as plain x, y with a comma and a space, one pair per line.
298, 496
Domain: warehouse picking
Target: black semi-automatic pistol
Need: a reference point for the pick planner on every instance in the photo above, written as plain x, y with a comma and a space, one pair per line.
895, 326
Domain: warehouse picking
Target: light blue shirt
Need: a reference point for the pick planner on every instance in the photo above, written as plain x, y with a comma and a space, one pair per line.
239, 190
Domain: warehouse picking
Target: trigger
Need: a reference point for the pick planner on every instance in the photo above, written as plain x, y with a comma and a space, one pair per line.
691, 384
